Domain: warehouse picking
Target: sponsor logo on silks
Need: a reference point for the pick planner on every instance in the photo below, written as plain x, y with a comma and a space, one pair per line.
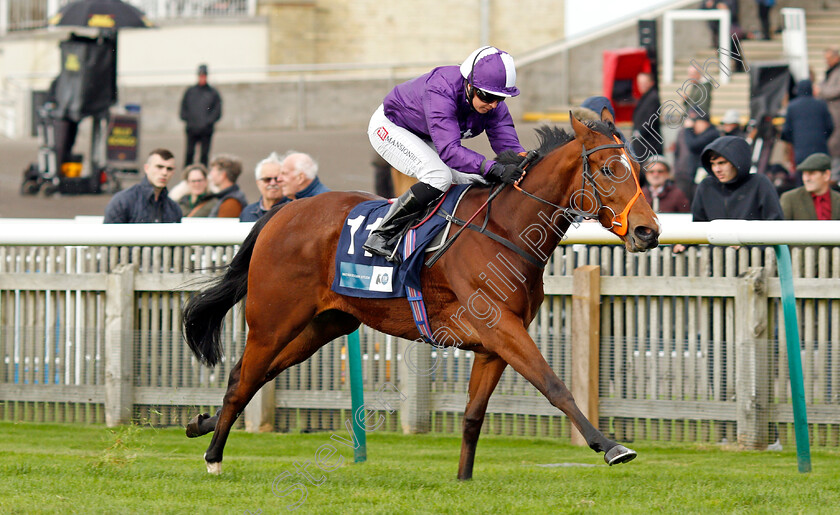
382, 132
366, 277
402, 148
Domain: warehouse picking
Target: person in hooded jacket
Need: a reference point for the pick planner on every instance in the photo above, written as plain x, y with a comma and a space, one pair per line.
419, 127
731, 191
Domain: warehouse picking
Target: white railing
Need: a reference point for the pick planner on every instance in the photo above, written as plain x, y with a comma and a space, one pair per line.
231, 232
17, 15
795, 42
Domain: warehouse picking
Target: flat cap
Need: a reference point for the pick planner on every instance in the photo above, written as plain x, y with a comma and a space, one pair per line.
815, 162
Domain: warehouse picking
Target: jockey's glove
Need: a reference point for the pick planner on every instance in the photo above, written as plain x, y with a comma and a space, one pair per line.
504, 173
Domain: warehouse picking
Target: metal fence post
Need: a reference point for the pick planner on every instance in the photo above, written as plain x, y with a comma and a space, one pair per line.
586, 339
797, 387
752, 372
357, 394
119, 345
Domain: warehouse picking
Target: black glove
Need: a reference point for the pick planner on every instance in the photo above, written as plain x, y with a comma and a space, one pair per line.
504, 173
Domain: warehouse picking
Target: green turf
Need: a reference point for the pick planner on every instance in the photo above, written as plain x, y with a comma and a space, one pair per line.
51, 468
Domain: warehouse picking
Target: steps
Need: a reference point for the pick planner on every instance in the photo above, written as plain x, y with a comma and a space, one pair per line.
822, 31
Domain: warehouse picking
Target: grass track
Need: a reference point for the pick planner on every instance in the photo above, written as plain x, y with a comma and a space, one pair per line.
51, 468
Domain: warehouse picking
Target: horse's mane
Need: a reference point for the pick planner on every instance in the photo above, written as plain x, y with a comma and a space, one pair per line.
551, 138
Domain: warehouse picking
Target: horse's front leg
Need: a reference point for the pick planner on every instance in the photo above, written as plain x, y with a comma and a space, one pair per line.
485, 374
511, 341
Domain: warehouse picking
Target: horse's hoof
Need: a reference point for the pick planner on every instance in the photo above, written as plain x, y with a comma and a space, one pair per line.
193, 427
214, 468
619, 454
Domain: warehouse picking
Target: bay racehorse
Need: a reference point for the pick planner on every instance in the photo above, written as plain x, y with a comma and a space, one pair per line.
286, 266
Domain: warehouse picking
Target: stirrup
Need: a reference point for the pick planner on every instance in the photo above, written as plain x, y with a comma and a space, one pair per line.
383, 250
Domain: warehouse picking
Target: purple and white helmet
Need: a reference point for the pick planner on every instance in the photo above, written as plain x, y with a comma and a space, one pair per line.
492, 70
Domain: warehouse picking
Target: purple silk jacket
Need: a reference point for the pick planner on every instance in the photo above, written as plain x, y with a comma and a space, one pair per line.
434, 107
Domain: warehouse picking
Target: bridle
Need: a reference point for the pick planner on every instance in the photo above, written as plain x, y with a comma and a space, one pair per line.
617, 225
617, 222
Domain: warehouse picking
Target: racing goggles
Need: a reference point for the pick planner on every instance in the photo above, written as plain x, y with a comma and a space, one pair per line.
488, 98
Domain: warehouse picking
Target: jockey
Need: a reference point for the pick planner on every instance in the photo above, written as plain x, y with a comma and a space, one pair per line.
419, 127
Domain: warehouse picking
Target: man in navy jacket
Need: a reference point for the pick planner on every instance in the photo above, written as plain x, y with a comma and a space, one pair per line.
148, 201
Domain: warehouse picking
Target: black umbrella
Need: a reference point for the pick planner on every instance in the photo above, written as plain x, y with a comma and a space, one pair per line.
100, 14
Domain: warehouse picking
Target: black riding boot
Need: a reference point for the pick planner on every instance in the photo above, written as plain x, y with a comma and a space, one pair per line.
405, 209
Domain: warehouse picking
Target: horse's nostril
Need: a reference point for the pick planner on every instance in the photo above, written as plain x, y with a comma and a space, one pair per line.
646, 234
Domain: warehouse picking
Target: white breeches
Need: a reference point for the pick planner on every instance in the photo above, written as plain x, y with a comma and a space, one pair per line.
413, 156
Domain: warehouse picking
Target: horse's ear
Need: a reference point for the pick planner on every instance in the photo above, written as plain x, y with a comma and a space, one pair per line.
607, 117
581, 130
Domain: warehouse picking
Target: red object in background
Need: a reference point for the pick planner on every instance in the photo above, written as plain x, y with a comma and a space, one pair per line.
620, 69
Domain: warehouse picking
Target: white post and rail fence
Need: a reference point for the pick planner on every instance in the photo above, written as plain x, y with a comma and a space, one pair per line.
690, 346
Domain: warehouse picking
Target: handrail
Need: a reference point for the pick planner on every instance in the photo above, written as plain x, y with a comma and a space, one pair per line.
230, 232
723, 17
278, 68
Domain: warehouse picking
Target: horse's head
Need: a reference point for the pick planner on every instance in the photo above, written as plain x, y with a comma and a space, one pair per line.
609, 186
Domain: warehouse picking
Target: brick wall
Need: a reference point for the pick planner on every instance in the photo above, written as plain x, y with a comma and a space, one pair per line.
368, 31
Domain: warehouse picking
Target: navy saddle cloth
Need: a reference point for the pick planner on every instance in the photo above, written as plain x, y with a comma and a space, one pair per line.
361, 274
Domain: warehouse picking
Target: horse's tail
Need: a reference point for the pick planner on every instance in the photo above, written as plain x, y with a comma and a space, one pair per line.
205, 312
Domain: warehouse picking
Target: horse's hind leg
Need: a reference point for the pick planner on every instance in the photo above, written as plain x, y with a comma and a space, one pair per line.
485, 374
512, 342
263, 359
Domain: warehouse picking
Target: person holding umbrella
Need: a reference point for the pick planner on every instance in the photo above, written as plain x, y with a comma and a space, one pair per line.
201, 108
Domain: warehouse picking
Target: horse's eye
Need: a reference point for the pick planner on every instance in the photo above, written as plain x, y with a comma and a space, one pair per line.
606, 170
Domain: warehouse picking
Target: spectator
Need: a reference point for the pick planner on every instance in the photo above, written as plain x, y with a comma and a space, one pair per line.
698, 93
829, 90
730, 124
764, 7
714, 26
201, 108
224, 171
660, 192
808, 124
815, 200
198, 201
147, 201
731, 191
780, 177
647, 137
65, 128
299, 176
696, 133
271, 192
596, 105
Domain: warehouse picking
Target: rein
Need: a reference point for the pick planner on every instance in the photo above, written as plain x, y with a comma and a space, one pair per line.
618, 224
